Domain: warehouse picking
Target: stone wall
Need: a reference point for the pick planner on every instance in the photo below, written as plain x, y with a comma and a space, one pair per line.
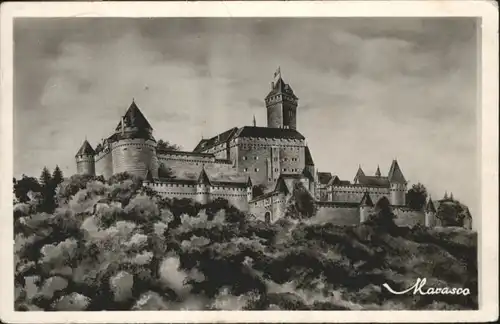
135, 156
275, 115
274, 204
85, 165
408, 217
104, 164
338, 215
354, 193
265, 159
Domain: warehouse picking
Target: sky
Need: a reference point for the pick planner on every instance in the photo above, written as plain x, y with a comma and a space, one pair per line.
370, 89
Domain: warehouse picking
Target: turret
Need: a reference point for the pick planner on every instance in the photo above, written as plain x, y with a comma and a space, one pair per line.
365, 207
359, 174
377, 173
281, 104
398, 184
133, 145
203, 187
85, 163
249, 189
430, 213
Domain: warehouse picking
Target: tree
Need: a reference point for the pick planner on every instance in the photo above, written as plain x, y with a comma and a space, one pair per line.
450, 214
48, 191
162, 145
382, 215
301, 204
57, 176
416, 196
23, 186
165, 172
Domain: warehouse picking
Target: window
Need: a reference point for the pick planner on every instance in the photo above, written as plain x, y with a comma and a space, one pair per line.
245, 169
256, 157
284, 170
244, 158
276, 170
275, 159
256, 169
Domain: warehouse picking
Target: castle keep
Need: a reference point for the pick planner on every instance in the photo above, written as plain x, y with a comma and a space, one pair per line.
230, 164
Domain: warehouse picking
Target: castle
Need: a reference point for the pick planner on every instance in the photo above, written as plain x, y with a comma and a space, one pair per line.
231, 164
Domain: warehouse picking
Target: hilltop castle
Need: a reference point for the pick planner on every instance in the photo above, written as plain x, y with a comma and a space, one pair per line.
231, 164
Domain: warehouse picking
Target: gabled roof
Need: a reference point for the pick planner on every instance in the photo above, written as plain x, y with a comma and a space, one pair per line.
206, 144
268, 132
134, 118
85, 149
366, 200
429, 206
324, 177
395, 173
374, 181
281, 87
308, 157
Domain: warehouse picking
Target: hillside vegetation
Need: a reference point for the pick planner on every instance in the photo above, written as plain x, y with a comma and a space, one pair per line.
116, 245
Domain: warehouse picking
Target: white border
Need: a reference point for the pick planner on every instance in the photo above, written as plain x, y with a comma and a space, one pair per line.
487, 229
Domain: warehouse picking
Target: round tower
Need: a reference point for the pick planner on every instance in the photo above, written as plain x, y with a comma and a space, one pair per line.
397, 185
203, 188
134, 147
85, 163
430, 213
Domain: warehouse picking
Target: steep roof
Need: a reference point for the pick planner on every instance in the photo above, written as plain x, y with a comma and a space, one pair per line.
268, 132
366, 200
223, 137
248, 131
324, 177
134, 118
85, 149
308, 157
395, 173
374, 181
377, 173
359, 174
281, 87
281, 186
429, 206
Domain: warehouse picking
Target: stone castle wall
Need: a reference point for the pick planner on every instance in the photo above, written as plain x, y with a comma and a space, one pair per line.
337, 214
266, 159
104, 164
275, 205
408, 217
135, 156
234, 195
354, 193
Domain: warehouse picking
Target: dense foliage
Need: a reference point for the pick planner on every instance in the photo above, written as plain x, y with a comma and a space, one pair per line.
416, 196
116, 245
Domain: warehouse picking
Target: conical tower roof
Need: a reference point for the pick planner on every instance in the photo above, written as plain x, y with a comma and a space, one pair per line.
85, 149
395, 173
366, 200
203, 177
134, 118
359, 174
377, 173
429, 206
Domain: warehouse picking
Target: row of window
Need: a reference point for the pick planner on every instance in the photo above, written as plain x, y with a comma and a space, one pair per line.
244, 158
249, 147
